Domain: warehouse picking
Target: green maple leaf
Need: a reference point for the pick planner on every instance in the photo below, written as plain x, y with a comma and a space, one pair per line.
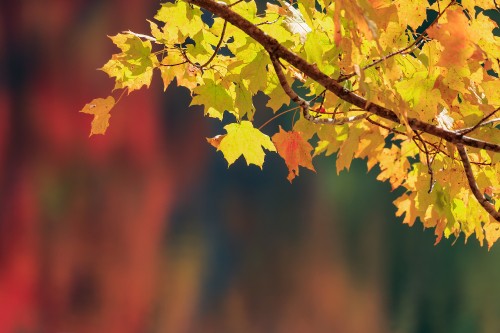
180, 18
215, 98
133, 68
243, 103
256, 61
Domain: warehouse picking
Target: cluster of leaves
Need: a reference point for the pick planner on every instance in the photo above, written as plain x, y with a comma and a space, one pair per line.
406, 85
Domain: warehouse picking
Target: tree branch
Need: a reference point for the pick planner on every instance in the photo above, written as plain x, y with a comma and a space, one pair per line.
274, 48
473, 185
304, 105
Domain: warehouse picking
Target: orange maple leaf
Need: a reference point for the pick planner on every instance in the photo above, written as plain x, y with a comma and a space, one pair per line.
100, 108
294, 150
455, 37
215, 141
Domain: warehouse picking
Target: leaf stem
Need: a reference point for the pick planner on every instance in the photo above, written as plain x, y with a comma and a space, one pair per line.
432, 182
473, 185
120, 97
278, 115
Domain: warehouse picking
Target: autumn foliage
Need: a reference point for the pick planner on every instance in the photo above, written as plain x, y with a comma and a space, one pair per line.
410, 86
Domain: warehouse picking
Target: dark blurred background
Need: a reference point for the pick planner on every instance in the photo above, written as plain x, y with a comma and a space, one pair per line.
145, 229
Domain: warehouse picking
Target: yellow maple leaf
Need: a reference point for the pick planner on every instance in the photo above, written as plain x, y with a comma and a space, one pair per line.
348, 149
492, 233
100, 108
406, 205
133, 67
393, 166
411, 13
175, 66
243, 139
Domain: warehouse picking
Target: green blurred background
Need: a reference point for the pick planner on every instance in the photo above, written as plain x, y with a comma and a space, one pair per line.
145, 229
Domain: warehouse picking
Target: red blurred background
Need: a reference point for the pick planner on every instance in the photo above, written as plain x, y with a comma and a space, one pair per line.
81, 219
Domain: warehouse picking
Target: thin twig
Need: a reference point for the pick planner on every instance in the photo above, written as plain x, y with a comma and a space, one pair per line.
286, 87
268, 22
406, 50
322, 101
120, 97
185, 56
334, 113
278, 115
294, 117
384, 126
217, 48
482, 122
165, 48
432, 182
473, 185
172, 65
234, 4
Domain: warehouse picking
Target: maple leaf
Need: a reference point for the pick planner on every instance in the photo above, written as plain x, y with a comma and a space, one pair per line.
215, 141
418, 96
492, 231
243, 102
360, 16
455, 38
277, 97
100, 108
243, 139
406, 205
256, 60
133, 68
180, 18
393, 167
411, 13
174, 66
215, 98
348, 149
294, 150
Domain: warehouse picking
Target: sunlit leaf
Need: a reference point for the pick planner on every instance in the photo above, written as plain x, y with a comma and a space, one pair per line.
397, 83
243, 139
295, 151
100, 108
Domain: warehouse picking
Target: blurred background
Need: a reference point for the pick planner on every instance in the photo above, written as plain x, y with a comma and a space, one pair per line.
145, 229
